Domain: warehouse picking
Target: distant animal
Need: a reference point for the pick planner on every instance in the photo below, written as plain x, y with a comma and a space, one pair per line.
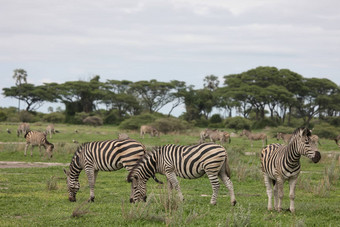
97, 156
147, 129
219, 136
50, 130
282, 162
76, 131
75, 141
254, 136
35, 138
285, 137
123, 136
336, 139
188, 162
204, 134
23, 128
8, 131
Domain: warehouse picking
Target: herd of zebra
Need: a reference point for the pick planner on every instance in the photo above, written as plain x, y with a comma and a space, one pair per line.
279, 162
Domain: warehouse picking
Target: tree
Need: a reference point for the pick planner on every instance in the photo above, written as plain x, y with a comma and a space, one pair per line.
19, 76
153, 95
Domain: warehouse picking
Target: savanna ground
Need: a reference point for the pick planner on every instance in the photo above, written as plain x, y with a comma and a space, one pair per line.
37, 196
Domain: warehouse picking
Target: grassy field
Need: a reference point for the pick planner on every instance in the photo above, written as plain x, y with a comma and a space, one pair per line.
38, 196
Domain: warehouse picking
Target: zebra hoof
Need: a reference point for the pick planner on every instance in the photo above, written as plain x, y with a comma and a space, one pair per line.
233, 203
91, 200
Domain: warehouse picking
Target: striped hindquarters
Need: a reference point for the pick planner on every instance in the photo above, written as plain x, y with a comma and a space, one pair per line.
113, 154
269, 156
191, 162
36, 138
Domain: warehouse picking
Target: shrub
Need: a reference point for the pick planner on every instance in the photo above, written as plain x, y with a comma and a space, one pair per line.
3, 116
325, 130
55, 117
171, 124
134, 122
216, 118
263, 123
237, 123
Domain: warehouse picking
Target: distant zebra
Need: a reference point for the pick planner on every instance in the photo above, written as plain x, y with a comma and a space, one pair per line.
23, 128
50, 130
285, 137
336, 139
282, 162
189, 162
35, 138
97, 156
254, 136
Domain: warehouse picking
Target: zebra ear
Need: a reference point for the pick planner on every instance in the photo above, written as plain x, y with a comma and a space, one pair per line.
306, 132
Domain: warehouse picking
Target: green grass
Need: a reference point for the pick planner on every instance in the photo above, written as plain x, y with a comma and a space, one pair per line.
38, 196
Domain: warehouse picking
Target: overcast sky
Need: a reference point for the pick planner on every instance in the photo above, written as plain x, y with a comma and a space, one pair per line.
67, 40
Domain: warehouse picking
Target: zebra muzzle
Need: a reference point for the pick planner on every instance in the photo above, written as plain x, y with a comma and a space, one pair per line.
317, 157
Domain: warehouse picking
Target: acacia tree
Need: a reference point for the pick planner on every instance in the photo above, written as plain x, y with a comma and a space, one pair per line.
20, 75
153, 95
33, 96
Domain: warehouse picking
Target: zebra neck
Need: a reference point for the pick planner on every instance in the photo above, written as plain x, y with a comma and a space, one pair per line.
293, 154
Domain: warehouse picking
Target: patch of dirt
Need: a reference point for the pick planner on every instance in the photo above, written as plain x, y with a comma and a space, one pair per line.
14, 164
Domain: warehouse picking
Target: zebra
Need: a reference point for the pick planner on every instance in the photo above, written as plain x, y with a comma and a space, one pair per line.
35, 138
254, 136
109, 155
23, 128
282, 162
189, 162
50, 130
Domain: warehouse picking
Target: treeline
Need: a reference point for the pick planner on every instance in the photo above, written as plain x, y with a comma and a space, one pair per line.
267, 95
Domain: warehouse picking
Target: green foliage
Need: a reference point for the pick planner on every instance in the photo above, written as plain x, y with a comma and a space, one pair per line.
216, 118
325, 130
112, 117
171, 124
3, 116
237, 123
263, 123
56, 117
134, 122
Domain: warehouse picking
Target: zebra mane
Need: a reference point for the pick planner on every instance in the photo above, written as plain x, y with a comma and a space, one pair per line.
302, 129
145, 156
26, 133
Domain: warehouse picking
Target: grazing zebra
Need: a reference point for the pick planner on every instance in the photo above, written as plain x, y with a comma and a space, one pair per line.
97, 156
23, 128
285, 137
205, 134
189, 162
35, 138
254, 136
148, 129
50, 130
336, 139
282, 162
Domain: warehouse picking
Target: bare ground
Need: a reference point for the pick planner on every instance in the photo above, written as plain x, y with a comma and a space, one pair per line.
14, 164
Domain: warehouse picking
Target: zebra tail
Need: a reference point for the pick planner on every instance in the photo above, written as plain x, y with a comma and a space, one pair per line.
227, 168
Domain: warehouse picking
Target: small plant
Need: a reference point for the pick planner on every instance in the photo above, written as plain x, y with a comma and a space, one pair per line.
81, 210
52, 184
239, 217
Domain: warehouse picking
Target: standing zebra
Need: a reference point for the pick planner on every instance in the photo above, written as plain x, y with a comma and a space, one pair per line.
189, 162
107, 155
35, 138
282, 162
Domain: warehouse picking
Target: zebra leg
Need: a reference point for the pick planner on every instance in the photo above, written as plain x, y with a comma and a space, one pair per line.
171, 177
26, 146
292, 184
32, 150
91, 179
268, 183
279, 183
227, 182
215, 187
276, 196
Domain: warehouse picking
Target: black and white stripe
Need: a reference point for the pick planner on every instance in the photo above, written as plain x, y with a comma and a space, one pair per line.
97, 156
282, 162
188, 162
35, 138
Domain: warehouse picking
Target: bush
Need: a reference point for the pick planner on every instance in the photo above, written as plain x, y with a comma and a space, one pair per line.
3, 116
237, 123
134, 122
263, 123
112, 118
325, 130
55, 117
216, 118
170, 124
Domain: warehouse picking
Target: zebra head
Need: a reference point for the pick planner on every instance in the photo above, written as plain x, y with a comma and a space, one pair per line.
49, 149
138, 188
72, 186
309, 148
